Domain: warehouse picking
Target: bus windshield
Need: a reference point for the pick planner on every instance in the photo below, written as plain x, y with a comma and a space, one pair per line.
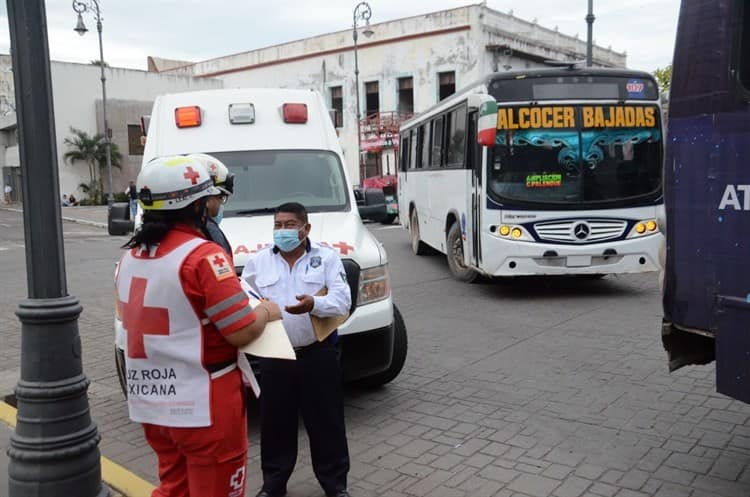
571, 155
266, 179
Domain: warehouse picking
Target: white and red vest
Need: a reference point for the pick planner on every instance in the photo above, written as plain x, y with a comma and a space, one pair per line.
167, 383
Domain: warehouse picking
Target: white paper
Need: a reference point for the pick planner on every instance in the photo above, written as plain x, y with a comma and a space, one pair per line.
273, 342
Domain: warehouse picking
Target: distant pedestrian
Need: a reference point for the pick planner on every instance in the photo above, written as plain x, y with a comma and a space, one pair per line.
8, 191
132, 193
73, 201
65, 201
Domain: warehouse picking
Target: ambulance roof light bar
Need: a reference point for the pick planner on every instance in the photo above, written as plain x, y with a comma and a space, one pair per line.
187, 117
294, 113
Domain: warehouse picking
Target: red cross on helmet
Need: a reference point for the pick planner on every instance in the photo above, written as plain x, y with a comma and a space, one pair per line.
223, 179
174, 182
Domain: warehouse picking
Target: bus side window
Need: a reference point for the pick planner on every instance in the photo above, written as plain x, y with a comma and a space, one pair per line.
473, 149
404, 156
437, 142
413, 157
425, 132
456, 138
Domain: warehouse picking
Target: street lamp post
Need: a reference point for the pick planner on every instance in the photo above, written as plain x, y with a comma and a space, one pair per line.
589, 38
81, 6
361, 12
54, 448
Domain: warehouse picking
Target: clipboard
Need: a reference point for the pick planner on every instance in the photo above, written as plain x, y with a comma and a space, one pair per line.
324, 326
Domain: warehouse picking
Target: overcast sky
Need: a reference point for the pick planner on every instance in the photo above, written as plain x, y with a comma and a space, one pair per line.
201, 29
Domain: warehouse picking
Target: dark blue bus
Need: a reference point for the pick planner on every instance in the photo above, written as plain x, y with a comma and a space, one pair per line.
707, 194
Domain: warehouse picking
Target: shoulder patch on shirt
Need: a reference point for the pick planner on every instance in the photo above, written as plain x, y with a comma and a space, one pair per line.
220, 265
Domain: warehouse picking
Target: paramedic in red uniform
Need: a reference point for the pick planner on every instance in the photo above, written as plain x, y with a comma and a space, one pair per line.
293, 272
184, 315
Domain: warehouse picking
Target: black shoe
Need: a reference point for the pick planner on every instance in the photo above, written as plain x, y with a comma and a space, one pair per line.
264, 493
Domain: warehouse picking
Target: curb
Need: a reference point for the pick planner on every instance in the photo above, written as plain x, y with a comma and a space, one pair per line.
64, 218
120, 479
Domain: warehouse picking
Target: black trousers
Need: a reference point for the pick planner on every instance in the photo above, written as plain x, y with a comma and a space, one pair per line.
310, 386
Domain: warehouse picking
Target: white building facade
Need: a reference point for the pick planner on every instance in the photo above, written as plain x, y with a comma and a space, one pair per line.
405, 66
77, 98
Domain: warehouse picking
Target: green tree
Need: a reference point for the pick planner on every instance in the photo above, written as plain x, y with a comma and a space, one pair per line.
99, 63
663, 77
92, 151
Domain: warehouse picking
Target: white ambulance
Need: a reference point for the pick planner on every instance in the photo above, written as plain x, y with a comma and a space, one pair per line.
282, 147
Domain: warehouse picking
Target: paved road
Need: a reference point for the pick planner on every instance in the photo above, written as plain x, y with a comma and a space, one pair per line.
530, 387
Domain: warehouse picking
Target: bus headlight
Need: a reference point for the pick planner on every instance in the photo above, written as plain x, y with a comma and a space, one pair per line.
644, 228
374, 285
514, 232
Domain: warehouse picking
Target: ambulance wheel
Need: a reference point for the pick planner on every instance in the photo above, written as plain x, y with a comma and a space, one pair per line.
400, 345
417, 246
120, 365
455, 256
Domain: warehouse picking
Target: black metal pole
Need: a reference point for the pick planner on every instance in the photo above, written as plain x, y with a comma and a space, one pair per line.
54, 449
589, 39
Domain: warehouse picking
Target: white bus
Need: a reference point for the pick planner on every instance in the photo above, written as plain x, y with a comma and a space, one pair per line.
540, 172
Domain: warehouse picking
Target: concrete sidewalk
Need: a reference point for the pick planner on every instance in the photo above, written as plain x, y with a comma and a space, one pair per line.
90, 215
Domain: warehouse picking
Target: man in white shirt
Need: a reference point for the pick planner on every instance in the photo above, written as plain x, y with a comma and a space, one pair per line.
295, 273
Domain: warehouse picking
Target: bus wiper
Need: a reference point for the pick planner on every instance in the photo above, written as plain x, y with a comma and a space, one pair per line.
260, 210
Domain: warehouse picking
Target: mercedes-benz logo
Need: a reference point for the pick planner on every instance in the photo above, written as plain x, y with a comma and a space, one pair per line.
581, 231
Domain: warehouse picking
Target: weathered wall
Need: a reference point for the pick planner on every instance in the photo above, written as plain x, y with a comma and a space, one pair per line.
77, 93
420, 47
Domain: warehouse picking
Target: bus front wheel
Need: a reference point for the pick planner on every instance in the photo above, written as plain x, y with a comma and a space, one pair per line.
455, 256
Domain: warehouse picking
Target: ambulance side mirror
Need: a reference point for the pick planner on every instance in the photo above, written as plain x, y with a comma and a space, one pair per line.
145, 121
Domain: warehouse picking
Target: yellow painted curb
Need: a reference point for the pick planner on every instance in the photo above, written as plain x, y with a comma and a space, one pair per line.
7, 414
119, 478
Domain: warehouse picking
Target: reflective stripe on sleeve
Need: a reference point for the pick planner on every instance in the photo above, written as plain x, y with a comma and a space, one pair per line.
233, 318
225, 304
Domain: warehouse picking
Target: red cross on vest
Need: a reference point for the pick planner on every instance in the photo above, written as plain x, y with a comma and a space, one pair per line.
219, 260
139, 320
343, 247
191, 175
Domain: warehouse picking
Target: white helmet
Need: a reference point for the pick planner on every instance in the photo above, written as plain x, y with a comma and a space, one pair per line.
173, 182
223, 179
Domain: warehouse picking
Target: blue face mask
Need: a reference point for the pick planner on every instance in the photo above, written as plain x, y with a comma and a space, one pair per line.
286, 239
218, 217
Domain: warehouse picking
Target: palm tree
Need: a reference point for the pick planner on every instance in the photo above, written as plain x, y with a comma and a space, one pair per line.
92, 151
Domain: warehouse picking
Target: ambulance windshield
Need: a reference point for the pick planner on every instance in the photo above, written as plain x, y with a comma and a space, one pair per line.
265, 179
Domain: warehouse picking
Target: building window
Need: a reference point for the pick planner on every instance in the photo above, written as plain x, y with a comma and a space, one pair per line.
406, 95
447, 84
456, 137
437, 142
134, 139
372, 98
337, 106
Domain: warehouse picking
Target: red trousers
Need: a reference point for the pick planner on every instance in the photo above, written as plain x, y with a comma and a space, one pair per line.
210, 461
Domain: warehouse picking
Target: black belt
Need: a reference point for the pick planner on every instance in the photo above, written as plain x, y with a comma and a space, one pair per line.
218, 366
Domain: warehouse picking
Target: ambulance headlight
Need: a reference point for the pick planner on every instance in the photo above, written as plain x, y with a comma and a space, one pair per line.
374, 285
